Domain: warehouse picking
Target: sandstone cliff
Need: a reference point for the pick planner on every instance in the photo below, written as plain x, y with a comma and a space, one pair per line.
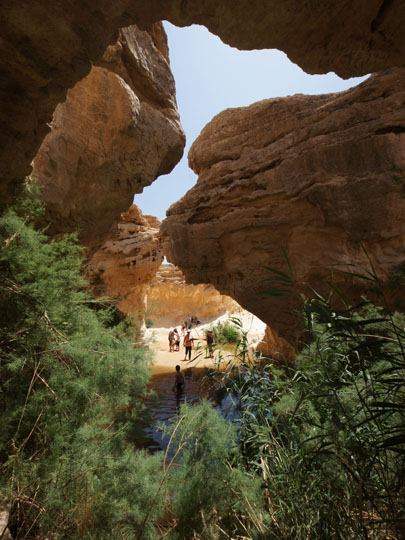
317, 175
342, 144
47, 47
117, 131
170, 299
128, 261
128, 267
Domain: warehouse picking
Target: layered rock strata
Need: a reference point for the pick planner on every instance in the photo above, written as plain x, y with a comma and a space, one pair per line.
116, 132
170, 299
317, 176
128, 261
48, 46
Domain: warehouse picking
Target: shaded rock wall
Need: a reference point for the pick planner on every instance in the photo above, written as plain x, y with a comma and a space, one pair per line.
170, 299
48, 46
275, 347
128, 261
117, 131
317, 175
349, 37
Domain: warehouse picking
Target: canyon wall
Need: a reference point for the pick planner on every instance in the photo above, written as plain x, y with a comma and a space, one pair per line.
170, 299
315, 175
128, 267
117, 131
47, 47
128, 261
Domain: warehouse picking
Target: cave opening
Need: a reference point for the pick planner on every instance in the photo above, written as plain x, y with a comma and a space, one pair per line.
210, 77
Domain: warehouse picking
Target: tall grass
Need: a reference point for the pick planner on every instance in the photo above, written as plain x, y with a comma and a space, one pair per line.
327, 434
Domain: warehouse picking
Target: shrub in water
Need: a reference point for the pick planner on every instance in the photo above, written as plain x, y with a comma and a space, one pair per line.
212, 499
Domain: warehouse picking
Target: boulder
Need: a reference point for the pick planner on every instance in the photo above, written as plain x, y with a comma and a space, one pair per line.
117, 131
320, 177
277, 348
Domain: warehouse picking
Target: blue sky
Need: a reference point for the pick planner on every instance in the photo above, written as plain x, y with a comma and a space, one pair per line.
210, 77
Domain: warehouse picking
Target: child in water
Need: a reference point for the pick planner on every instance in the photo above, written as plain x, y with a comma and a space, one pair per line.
178, 385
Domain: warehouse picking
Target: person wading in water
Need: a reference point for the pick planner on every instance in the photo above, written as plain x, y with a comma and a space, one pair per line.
178, 385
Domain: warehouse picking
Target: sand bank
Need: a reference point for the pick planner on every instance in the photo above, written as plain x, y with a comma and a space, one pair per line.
165, 361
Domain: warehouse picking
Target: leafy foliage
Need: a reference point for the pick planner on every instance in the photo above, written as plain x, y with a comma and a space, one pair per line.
70, 381
212, 498
226, 332
149, 322
327, 434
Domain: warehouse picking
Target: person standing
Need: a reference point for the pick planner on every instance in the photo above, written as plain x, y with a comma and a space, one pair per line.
188, 344
210, 343
171, 341
176, 340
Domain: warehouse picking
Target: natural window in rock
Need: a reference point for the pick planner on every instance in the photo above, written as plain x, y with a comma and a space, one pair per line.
211, 77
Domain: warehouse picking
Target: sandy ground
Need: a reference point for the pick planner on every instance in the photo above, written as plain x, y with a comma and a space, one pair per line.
165, 361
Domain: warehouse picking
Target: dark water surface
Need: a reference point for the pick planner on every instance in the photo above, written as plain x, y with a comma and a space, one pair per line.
165, 404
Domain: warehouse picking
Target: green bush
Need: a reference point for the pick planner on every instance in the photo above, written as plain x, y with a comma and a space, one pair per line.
211, 497
226, 332
331, 442
149, 322
327, 434
70, 381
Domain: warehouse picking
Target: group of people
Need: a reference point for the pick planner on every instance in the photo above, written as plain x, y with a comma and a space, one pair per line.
188, 342
190, 322
174, 342
178, 385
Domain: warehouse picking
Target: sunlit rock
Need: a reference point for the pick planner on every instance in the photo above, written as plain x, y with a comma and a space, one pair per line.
128, 261
317, 176
170, 299
48, 46
116, 132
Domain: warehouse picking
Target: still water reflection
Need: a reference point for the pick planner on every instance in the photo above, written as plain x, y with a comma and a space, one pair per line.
164, 404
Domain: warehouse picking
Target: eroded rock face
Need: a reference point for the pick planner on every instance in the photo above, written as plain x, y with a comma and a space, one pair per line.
317, 175
170, 299
128, 261
277, 348
48, 46
129, 267
117, 131
347, 37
